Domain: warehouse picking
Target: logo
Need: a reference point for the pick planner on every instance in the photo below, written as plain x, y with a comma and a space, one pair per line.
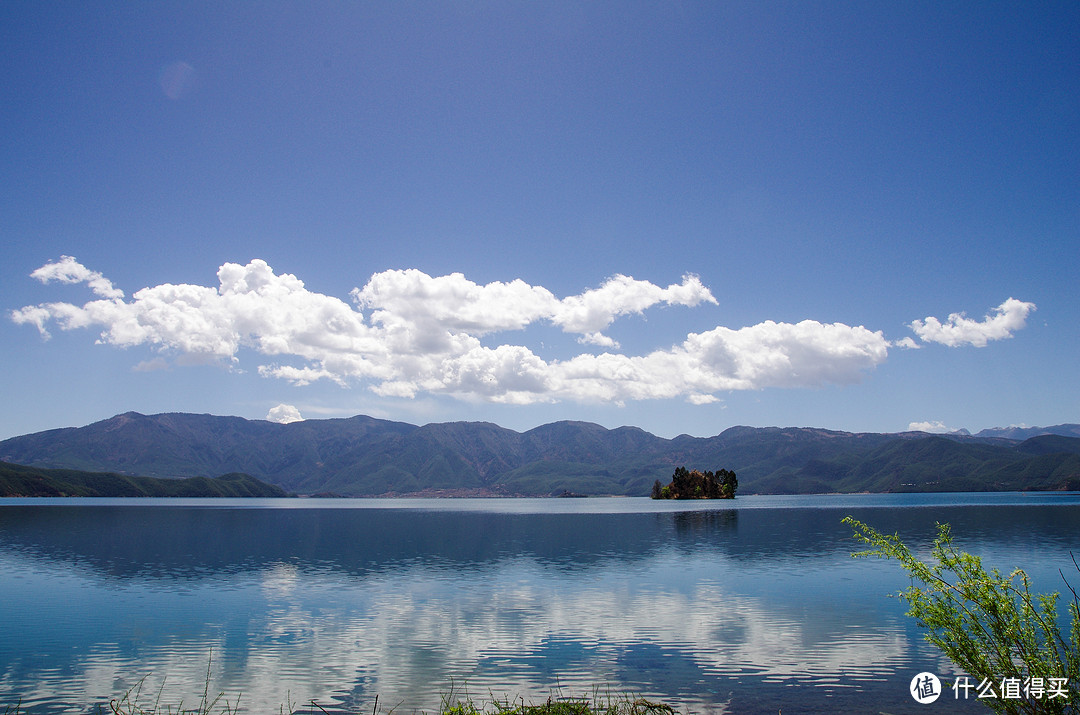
925, 688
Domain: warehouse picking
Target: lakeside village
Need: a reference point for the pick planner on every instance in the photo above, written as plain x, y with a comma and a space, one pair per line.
697, 485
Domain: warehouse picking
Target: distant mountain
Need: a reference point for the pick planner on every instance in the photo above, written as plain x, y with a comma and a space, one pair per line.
1049, 444
19, 481
366, 456
1022, 433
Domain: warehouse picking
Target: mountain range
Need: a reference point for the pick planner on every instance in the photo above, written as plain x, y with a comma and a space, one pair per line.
20, 481
361, 456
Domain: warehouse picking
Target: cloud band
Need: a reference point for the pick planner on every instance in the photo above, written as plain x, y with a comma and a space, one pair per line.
407, 333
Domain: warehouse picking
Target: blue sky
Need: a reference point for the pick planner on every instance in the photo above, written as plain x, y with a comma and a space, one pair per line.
680, 216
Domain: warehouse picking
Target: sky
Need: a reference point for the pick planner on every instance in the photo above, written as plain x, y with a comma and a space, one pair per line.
680, 216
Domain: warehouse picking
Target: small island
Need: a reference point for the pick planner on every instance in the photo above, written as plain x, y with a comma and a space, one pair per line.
697, 485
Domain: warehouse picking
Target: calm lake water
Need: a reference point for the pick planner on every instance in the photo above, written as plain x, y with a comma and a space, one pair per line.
751, 606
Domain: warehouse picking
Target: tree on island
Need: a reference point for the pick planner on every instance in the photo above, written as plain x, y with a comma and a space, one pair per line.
697, 485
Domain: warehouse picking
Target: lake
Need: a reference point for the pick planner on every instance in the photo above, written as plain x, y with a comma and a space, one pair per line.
745, 606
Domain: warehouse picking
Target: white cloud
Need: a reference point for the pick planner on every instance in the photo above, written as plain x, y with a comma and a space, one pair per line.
935, 427
598, 339
594, 310
411, 334
153, 365
36, 315
68, 270
906, 343
284, 414
806, 354
960, 330
411, 298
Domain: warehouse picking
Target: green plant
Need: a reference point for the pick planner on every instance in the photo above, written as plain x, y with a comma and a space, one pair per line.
129, 704
597, 704
990, 625
569, 706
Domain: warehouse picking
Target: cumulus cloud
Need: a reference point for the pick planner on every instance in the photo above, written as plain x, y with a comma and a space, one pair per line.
284, 414
958, 330
68, 270
906, 343
456, 304
36, 315
935, 427
408, 333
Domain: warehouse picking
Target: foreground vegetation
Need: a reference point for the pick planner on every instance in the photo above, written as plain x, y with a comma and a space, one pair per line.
990, 625
564, 706
221, 706
135, 702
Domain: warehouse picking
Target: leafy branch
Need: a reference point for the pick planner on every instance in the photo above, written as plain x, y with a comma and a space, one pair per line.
990, 625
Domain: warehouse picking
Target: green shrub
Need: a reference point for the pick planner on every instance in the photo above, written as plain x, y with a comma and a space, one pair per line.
991, 626
560, 706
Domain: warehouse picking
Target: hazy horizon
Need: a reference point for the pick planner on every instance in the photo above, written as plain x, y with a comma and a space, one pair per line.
929, 429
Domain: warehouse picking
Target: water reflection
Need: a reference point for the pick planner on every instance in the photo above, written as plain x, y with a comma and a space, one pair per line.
718, 609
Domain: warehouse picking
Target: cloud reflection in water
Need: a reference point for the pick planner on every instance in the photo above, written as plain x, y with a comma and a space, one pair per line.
704, 609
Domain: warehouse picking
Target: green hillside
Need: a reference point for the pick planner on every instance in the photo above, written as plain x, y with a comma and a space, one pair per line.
19, 481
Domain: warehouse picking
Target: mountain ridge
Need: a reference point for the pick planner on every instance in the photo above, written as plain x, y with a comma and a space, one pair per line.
363, 455
21, 481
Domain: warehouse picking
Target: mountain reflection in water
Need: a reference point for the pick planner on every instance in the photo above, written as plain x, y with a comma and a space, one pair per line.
742, 607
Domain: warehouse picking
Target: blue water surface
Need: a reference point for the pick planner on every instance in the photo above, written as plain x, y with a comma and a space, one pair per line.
746, 606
